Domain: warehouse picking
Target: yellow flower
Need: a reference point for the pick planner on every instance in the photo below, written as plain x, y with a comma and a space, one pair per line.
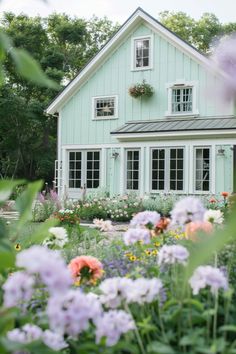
157, 244
148, 252
17, 247
133, 258
154, 252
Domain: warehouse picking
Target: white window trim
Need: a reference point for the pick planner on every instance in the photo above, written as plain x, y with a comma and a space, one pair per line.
182, 84
167, 170
125, 170
94, 98
151, 43
83, 167
194, 169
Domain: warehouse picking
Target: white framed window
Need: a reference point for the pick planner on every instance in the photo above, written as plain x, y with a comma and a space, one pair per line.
84, 169
167, 169
132, 169
105, 107
202, 170
142, 53
182, 99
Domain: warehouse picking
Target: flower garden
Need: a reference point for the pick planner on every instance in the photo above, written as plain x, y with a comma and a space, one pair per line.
165, 285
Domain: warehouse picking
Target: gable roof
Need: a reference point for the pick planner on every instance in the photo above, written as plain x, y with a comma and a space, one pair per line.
137, 17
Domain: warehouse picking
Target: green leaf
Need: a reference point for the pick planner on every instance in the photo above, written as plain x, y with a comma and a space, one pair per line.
159, 348
227, 328
7, 255
6, 188
25, 201
42, 231
28, 68
5, 41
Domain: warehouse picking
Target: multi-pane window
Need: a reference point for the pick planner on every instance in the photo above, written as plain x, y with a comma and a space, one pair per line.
202, 169
84, 169
142, 53
105, 107
182, 100
158, 169
168, 169
93, 169
132, 170
75, 160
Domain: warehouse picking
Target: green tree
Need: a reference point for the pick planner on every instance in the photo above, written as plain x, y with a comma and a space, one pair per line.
62, 45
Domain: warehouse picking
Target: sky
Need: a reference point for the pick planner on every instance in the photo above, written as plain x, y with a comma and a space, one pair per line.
120, 10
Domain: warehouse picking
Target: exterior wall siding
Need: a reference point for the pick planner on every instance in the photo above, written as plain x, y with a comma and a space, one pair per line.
77, 129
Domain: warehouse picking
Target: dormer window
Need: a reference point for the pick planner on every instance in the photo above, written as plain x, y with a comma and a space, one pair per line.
105, 107
182, 99
142, 53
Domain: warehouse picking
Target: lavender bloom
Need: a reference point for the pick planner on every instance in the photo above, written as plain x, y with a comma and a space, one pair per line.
145, 218
18, 289
41, 198
225, 58
54, 340
172, 254
49, 265
186, 210
70, 313
27, 334
112, 325
132, 236
116, 290
205, 276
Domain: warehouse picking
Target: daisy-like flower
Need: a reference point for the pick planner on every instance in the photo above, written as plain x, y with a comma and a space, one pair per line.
173, 254
145, 218
210, 276
132, 236
186, 210
214, 216
85, 268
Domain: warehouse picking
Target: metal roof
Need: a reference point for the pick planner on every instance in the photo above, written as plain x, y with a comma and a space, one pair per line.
175, 125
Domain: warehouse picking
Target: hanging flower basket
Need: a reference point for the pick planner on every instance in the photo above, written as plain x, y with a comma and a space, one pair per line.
141, 90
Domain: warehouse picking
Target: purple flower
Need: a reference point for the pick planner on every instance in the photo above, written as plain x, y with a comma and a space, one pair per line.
18, 289
172, 254
145, 218
71, 312
54, 340
134, 235
225, 58
27, 334
186, 210
49, 265
112, 325
205, 276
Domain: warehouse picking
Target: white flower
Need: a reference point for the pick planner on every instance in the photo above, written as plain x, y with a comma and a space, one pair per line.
186, 210
144, 290
173, 254
132, 236
103, 225
214, 216
145, 217
113, 291
59, 237
208, 276
112, 325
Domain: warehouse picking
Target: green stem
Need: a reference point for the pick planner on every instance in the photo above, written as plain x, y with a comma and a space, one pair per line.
136, 331
215, 317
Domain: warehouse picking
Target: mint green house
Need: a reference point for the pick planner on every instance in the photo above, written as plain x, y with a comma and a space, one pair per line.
179, 140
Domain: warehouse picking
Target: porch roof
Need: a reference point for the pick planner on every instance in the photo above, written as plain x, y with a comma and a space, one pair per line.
177, 125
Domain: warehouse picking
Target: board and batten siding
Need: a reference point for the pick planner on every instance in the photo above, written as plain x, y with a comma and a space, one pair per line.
115, 77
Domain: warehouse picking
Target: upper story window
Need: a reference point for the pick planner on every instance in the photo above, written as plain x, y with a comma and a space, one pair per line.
105, 107
142, 53
182, 99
